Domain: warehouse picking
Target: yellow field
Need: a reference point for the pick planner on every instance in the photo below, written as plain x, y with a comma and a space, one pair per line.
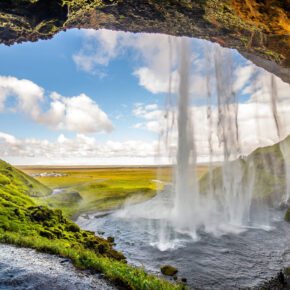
102, 188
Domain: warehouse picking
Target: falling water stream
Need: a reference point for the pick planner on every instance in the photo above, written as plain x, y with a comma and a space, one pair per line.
224, 237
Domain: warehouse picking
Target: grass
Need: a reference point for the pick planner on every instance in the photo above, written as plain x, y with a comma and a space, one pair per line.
102, 188
266, 165
10, 178
26, 224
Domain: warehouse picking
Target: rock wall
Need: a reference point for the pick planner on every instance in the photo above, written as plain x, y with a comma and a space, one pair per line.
257, 29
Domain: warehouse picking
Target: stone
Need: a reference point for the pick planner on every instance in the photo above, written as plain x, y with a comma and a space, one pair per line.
168, 270
257, 30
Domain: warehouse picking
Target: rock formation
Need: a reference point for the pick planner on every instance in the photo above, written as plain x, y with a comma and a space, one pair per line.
259, 30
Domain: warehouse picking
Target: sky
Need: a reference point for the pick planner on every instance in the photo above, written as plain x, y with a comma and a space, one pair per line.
91, 97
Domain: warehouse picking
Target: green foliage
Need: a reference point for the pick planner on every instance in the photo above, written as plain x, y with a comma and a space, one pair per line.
100, 189
287, 215
119, 273
10, 177
4, 180
26, 224
264, 168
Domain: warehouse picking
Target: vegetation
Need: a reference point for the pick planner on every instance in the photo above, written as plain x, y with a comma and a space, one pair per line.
168, 270
26, 224
264, 168
12, 179
287, 215
89, 189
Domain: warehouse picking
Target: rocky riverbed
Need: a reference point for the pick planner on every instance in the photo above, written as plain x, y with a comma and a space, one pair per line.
22, 268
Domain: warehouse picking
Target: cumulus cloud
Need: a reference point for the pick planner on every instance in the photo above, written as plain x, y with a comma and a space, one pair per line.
157, 57
78, 114
99, 47
28, 95
79, 150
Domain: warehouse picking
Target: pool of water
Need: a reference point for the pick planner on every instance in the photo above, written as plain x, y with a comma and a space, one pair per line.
242, 257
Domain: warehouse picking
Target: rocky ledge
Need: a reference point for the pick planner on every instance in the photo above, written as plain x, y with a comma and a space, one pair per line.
22, 268
259, 30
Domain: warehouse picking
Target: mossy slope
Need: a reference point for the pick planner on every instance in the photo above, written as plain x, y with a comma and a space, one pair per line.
264, 168
12, 179
24, 223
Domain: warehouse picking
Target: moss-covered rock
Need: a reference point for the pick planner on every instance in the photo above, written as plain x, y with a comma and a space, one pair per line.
264, 169
47, 234
111, 239
287, 215
168, 270
73, 228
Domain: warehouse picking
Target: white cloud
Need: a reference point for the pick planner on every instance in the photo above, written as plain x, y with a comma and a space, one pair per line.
156, 83
27, 94
242, 76
100, 46
151, 107
80, 150
78, 114
157, 57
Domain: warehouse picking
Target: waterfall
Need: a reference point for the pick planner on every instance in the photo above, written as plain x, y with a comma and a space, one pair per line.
225, 200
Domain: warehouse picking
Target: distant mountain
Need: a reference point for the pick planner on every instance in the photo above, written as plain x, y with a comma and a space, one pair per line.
264, 172
12, 178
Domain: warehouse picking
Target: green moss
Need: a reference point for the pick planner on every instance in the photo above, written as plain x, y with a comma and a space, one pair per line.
26, 224
4, 180
287, 271
168, 270
287, 215
265, 165
73, 228
14, 178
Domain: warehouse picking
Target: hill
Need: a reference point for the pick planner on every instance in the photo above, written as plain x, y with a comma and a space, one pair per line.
26, 224
263, 172
12, 179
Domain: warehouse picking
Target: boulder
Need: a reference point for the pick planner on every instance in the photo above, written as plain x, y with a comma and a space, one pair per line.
168, 270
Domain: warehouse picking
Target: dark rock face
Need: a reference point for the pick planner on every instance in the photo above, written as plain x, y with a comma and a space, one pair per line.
257, 29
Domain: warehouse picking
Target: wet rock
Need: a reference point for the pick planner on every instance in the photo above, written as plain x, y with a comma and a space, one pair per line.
280, 282
111, 239
168, 270
281, 277
45, 272
183, 280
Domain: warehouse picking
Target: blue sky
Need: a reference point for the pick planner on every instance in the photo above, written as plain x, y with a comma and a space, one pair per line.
98, 96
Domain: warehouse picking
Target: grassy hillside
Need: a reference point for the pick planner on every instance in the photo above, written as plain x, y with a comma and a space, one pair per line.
263, 170
12, 178
24, 223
